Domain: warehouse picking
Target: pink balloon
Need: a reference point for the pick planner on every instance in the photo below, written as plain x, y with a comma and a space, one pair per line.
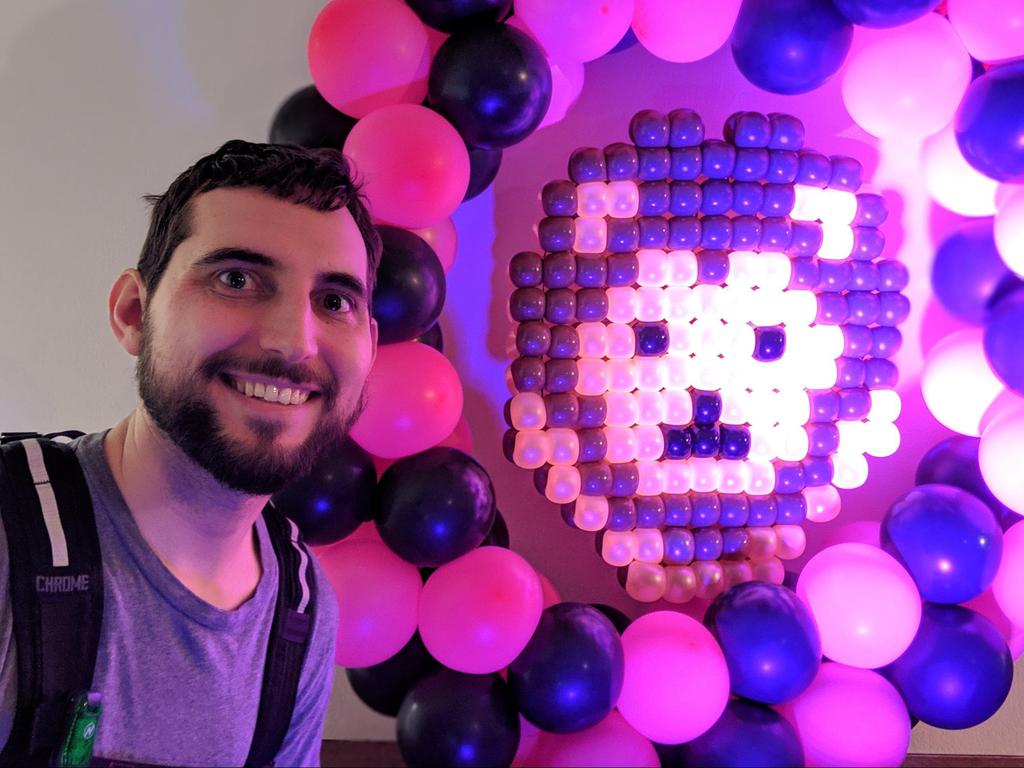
990, 29
866, 605
907, 80
367, 55
414, 164
551, 596
443, 238
378, 594
460, 437
666, 653
576, 30
478, 612
850, 716
612, 743
406, 414
987, 605
529, 737
1008, 586
684, 30
566, 84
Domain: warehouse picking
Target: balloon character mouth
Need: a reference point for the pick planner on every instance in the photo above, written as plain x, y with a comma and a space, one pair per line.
704, 348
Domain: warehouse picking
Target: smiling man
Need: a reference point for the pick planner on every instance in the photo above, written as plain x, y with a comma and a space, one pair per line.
249, 316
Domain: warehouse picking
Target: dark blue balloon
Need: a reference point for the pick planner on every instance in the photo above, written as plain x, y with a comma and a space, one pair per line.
968, 272
769, 640
790, 46
989, 123
570, 674
884, 13
307, 119
434, 506
1004, 341
483, 167
948, 540
410, 289
452, 15
954, 461
628, 41
747, 734
956, 672
493, 83
383, 687
456, 719
334, 498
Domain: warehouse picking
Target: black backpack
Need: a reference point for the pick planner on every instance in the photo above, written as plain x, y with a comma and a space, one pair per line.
57, 601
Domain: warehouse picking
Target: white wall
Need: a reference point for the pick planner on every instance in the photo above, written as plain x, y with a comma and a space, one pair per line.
106, 100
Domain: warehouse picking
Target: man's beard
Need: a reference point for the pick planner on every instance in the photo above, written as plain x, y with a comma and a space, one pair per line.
182, 411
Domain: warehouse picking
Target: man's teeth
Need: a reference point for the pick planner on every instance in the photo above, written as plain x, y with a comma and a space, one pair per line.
271, 393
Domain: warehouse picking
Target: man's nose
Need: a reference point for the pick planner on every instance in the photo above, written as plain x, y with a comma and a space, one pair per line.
289, 328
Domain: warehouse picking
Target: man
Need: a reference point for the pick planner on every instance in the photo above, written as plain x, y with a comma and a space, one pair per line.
249, 316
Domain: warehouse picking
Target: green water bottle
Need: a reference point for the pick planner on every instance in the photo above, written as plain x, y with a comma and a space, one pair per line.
83, 725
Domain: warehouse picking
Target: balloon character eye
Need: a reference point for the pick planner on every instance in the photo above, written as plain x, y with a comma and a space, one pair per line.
769, 342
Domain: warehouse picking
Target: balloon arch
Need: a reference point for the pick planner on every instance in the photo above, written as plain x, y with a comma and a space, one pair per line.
705, 342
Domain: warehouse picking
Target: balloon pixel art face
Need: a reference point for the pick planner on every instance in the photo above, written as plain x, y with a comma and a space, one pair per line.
704, 348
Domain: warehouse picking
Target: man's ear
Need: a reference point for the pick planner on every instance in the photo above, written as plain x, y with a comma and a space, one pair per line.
373, 339
126, 304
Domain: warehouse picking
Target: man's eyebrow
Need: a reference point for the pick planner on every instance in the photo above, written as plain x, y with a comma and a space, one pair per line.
246, 256
221, 255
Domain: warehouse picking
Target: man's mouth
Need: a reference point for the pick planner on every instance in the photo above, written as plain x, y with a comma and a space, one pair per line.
276, 393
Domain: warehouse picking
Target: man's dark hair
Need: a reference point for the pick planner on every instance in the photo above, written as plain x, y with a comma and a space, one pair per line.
317, 178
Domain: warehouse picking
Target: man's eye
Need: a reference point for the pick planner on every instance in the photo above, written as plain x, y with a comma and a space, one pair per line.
235, 278
338, 303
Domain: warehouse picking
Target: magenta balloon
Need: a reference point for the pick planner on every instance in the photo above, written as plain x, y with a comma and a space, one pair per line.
443, 238
406, 414
414, 164
1008, 587
612, 743
378, 594
850, 716
684, 30
576, 30
866, 605
363, 56
990, 29
478, 612
667, 654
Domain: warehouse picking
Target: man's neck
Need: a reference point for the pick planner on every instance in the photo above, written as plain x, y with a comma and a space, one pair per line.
201, 531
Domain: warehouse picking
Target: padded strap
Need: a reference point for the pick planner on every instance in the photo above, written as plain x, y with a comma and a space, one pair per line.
56, 588
289, 638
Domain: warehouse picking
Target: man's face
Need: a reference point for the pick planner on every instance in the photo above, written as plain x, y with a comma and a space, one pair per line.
263, 293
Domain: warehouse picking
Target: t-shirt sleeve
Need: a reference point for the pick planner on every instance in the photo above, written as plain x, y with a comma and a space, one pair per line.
304, 739
8, 661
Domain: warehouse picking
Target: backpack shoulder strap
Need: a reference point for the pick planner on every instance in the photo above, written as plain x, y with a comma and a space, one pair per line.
289, 638
56, 588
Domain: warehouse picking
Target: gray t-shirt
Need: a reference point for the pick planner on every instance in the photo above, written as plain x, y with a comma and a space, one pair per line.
180, 678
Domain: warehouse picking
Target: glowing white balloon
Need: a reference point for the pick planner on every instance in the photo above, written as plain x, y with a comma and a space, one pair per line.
992, 30
952, 181
957, 383
906, 81
1009, 229
1001, 456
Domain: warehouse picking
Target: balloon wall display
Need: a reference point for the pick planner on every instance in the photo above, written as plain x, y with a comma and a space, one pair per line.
704, 348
